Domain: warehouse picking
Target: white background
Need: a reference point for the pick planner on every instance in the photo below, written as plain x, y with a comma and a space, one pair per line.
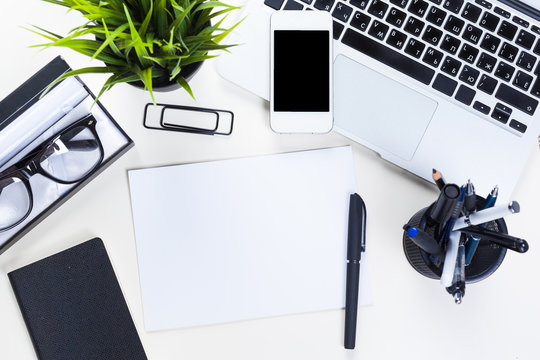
412, 317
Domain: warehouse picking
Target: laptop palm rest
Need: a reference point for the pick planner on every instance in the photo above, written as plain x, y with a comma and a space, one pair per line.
374, 109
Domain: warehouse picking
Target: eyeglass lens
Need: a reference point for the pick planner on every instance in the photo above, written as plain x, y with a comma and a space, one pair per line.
72, 156
14, 201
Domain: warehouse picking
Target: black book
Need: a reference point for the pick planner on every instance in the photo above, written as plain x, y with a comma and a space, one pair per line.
74, 308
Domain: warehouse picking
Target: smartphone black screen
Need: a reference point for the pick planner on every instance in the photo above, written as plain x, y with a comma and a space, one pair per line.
301, 70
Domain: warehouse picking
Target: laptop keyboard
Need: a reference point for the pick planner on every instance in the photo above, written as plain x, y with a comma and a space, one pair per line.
458, 48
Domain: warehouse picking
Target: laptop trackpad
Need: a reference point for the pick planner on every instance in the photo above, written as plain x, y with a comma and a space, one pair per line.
375, 109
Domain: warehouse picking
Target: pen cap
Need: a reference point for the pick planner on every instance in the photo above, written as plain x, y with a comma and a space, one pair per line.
357, 227
442, 209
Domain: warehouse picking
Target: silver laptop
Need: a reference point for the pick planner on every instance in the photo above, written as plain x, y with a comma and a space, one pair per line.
446, 84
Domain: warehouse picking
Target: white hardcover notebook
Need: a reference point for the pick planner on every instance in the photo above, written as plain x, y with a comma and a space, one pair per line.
240, 239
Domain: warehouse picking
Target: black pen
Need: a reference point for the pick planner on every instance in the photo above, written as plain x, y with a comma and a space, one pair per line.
356, 244
504, 240
441, 210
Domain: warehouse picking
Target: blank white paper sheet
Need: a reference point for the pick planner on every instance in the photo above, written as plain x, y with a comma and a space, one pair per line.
240, 239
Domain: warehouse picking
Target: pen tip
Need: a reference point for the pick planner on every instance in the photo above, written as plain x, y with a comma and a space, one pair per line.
434, 170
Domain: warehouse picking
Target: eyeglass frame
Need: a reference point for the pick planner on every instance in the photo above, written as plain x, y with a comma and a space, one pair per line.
30, 165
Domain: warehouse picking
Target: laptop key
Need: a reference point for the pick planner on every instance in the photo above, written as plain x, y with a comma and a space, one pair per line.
487, 84
396, 39
324, 5
274, 4
400, 3
502, 12
535, 29
436, 16
484, 3
516, 99
342, 12
471, 12
378, 8
433, 57
489, 21
361, 4
526, 61
472, 34
516, 125
490, 43
453, 5
360, 21
451, 66
508, 52
486, 62
432, 35
418, 7
520, 21
469, 75
307, 1
387, 56
525, 39
454, 24
396, 17
293, 5
450, 44
444, 84
536, 49
504, 71
523, 80
465, 94
535, 90
337, 29
507, 30
378, 29
501, 113
483, 108
414, 26
468, 53
415, 48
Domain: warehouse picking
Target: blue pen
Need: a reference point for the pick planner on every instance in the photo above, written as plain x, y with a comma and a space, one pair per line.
473, 242
492, 198
423, 240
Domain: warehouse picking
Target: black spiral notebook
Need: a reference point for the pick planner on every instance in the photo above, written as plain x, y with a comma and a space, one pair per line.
74, 308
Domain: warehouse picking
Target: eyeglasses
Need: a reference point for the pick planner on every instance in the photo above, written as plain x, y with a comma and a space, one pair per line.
66, 158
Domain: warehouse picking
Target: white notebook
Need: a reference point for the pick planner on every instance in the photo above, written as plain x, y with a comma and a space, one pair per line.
241, 239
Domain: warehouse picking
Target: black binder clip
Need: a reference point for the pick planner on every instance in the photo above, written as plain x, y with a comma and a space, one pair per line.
195, 120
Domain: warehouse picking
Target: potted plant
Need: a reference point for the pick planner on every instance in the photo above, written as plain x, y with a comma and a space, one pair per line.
154, 44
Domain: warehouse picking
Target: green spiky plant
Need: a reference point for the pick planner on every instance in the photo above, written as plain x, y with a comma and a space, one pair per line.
140, 40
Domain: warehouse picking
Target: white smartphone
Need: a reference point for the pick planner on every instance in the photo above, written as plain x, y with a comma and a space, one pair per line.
301, 96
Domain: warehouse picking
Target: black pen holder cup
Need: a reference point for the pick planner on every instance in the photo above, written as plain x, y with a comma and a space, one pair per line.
486, 260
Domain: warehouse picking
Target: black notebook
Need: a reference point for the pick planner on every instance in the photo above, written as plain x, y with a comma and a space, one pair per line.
74, 308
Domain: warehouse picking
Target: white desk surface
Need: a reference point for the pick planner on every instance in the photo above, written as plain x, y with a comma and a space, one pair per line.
412, 317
